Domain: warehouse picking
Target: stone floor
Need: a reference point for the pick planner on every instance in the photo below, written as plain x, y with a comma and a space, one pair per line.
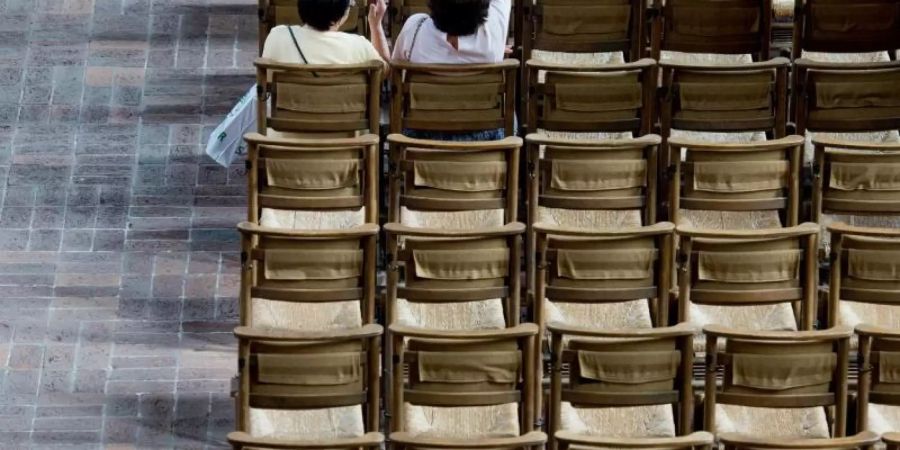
118, 264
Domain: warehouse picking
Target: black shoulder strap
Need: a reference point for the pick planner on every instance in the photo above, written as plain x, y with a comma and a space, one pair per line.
412, 45
297, 46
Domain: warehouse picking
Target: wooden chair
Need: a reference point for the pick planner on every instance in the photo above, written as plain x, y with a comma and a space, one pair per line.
761, 370
475, 385
312, 100
591, 98
295, 384
878, 397
705, 26
587, 183
312, 183
736, 441
457, 185
748, 278
846, 98
718, 180
846, 26
699, 440
621, 371
284, 12
307, 280
453, 98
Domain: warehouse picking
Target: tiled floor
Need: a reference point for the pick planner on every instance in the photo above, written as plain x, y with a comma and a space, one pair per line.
118, 270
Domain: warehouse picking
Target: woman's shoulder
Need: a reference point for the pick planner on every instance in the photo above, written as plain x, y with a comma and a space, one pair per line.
413, 22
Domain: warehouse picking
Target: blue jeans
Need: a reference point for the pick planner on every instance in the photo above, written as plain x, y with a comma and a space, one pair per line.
483, 135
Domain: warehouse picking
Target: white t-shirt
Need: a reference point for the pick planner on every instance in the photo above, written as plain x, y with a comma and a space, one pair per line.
487, 45
319, 47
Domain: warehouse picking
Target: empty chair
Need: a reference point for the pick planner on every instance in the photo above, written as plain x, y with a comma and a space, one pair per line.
748, 279
593, 100
851, 102
846, 26
776, 384
736, 441
726, 27
464, 389
453, 185
284, 12
734, 186
312, 183
448, 101
878, 403
630, 383
318, 101
306, 388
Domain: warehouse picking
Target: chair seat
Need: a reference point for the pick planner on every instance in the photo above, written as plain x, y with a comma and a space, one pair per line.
786, 423
704, 58
632, 421
477, 315
312, 220
730, 220
453, 220
589, 218
883, 418
465, 422
631, 314
305, 316
310, 424
755, 317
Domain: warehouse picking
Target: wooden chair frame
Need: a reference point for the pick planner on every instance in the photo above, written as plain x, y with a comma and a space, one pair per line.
267, 19
837, 397
664, 11
682, 397
261, 147
699, 440
892, 440
806, 234
870, 339
803, 30
865, 440
803, 95
369, 335
400, 71
536, 92
789, 205
319, 73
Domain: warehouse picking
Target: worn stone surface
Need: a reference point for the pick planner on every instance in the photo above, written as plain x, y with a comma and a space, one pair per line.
118, 264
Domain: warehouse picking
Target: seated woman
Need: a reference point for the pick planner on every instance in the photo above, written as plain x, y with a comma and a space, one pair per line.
456, 32
318, 40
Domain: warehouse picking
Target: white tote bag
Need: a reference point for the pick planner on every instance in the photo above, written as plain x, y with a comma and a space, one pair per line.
226, 142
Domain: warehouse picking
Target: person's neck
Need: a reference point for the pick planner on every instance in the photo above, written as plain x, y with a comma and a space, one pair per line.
454, 41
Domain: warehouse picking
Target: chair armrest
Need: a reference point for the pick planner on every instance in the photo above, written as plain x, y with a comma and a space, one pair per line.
774, 63
510, 229
681, 329
591, 145
368, 440
265, 334
865, 329
315, 144
843, 228
804, 229
775, 144
650, 230
891, 438
521, 330
531, 439
851, 442
804, 63
831, 334
691, 440
480, 146
842, 144
545, 65
506, 64
366, 229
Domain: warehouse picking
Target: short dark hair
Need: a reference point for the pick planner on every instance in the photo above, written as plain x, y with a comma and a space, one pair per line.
321, 14
459, 17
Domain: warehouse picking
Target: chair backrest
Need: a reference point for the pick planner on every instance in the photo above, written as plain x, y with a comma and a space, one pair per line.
610, 369
284, 12
445, 176
312, 175
846, 97
318, 100
865, 440
455, 266
713, 26
879, 349
596, 98
309, 371
846, 26
454, 97
759, 176
746, 97
749, 267
604, 266
286, 267
586, 26
855, 178
763, 369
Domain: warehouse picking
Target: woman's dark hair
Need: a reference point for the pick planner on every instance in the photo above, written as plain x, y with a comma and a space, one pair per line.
321, 14
459, 17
